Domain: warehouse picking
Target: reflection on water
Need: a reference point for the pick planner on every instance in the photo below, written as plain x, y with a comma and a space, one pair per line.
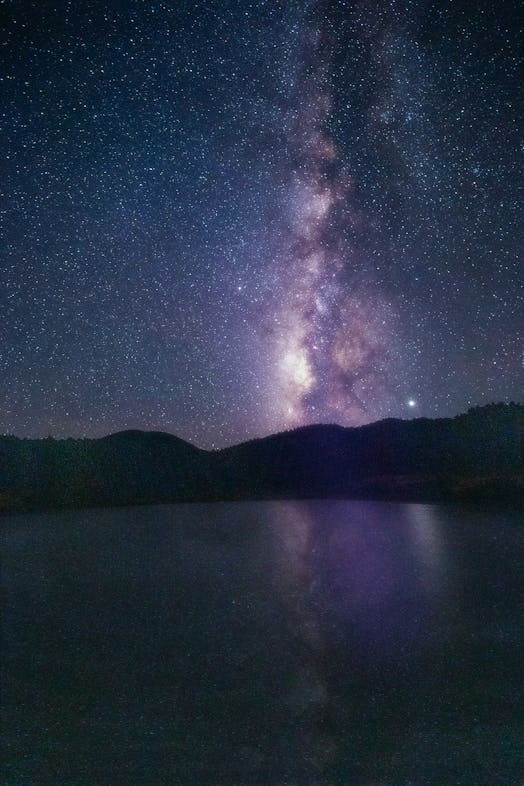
312, 642
306, 697
429, 548
377, 570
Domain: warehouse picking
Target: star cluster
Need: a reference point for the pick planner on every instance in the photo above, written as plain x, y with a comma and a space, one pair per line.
225, 219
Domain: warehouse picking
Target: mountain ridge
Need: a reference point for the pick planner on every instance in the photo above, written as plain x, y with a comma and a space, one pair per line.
476, 456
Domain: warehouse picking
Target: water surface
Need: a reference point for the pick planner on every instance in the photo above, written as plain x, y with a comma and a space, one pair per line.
274, 643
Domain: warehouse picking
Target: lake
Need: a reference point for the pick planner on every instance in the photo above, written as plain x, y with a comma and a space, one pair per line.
274, 643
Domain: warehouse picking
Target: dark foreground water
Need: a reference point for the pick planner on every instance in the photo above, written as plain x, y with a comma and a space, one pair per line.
283, 644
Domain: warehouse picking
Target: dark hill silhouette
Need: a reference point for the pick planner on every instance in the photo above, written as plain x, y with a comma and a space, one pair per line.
477, 456
126, 468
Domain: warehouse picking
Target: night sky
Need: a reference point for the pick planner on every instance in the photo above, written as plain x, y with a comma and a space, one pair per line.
224, 219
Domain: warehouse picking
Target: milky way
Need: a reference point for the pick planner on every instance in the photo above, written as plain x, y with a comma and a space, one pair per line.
334, 333
225, 220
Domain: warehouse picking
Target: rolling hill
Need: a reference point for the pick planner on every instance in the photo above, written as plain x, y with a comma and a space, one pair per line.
477, 456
